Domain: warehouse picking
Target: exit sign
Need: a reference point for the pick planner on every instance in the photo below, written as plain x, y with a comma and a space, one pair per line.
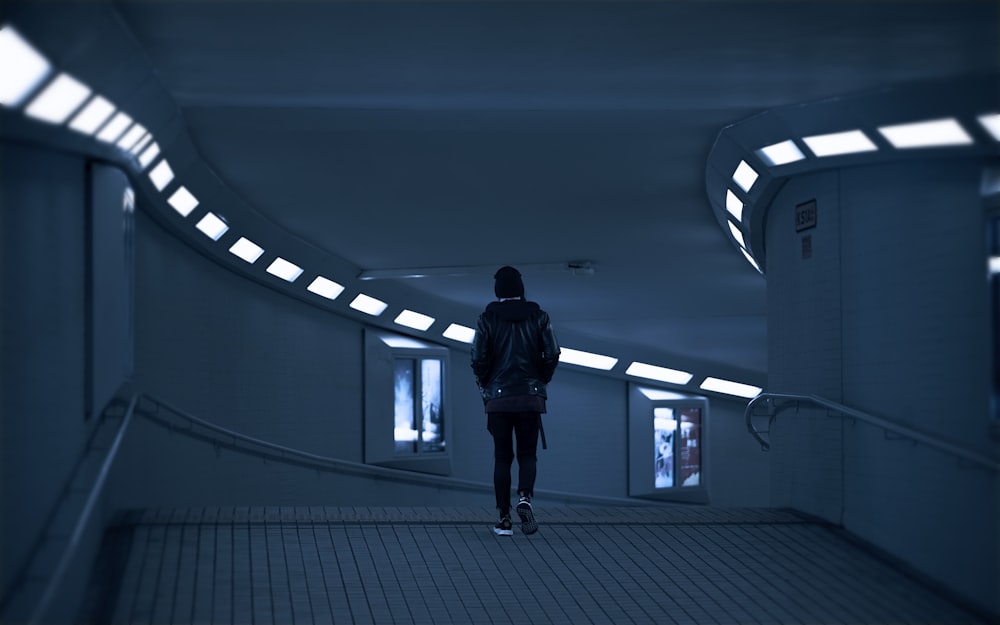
805, 215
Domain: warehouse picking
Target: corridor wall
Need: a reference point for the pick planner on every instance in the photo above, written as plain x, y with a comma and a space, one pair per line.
884, 309
64, 354
235, 352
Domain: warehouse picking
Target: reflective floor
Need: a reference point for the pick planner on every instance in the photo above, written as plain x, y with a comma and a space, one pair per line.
444, 565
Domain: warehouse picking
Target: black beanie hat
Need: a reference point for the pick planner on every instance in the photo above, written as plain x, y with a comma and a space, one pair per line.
508, 283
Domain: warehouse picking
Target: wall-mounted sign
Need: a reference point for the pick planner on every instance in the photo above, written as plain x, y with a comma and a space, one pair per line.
805, 215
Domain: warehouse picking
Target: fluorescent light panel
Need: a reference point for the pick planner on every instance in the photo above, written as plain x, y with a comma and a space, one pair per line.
737, 234
325, 288
734, 205
404, 342
781, 153
212, 226
114, 128
750, 259
161, 175
660, 394
728, 387
587, 359
247, 250
991, 122
58, 100
927, 134
130, 138
369, 305
994, 265
458, 332
414, 320
23, 68
837, 143
285, 270
662, 374
745, 176
90, 118
183, 201
135, 149
149, 155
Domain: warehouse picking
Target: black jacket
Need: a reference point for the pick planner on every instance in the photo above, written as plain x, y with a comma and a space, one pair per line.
514, 351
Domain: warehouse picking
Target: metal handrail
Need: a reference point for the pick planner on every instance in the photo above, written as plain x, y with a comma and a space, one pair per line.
287, 454
280, 453
887, 425
42, 607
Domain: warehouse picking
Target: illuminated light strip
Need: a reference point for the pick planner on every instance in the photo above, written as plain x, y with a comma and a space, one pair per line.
246, 250
114, 128
927, 134
325, 287
212, 226
737, 234
369, 305
734, 205
287, 271
837, 143
661, 374
728, 387
781, 153
994, 265
23, 70
587, 359
138, 147
161, 175
183, 201
751, 260
460, 333
660, 394
149, 155
92, 116
58, 100
130, 138
991, 122
415, 320
745, 176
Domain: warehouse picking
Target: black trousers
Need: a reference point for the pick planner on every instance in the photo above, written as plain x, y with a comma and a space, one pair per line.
505, 426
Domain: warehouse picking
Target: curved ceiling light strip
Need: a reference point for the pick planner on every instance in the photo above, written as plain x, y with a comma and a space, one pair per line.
66, 100
929, 115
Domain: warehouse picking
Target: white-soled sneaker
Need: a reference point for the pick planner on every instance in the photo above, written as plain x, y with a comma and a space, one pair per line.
528, 523
504, 527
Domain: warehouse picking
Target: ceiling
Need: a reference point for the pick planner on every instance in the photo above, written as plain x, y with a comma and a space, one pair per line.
476, 134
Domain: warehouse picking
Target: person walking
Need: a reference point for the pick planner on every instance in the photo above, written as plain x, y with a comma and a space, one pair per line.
514, 354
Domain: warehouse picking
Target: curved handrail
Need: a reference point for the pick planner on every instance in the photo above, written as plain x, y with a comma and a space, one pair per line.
313, 460
889, 426
42, 607
290, 455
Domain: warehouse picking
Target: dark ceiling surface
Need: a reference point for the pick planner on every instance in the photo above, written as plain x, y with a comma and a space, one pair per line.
475, 134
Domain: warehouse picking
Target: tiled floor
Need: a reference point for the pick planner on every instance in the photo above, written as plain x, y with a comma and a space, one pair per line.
445, 565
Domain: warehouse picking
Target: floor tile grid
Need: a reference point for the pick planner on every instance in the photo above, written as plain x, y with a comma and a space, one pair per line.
642, 597
669, 574
881, 589
724, 595
406, 604
746, 570
833, 576
769, 560
669, 515
485, 556
512, 574
182, 574
535, 586
585, 578
427, 566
